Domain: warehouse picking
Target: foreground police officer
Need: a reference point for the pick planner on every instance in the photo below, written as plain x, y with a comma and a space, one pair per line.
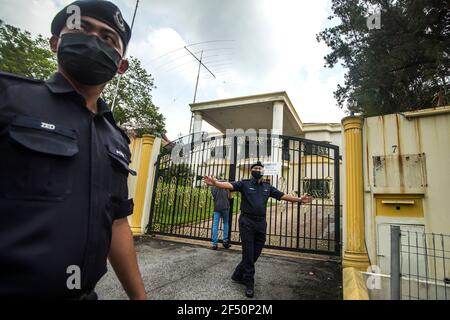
64, 166
252, 221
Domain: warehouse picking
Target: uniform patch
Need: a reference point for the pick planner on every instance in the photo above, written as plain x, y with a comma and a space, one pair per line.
119, 21
48, 126
120, 153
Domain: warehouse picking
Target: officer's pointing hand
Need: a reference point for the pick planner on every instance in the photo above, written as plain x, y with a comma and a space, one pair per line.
306, 198
210, 181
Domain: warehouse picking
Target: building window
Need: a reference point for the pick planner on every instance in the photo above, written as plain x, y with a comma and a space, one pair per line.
314, 149
318, 188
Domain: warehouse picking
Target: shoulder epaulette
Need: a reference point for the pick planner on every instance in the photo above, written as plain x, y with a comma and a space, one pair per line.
19, 77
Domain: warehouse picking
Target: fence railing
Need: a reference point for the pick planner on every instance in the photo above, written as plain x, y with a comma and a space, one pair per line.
182, 205
420, 265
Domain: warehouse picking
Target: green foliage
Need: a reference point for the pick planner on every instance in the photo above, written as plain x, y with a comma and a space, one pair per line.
22, 54
402, 66
187, 205
134, 110
133, 106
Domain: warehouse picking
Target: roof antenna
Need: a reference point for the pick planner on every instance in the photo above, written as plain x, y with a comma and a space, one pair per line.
200, 64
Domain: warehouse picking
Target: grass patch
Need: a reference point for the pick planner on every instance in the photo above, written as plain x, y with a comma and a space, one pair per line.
187, 205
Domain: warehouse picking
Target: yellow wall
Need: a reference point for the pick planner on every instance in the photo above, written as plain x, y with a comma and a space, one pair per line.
399, 205
416, 166
144, 152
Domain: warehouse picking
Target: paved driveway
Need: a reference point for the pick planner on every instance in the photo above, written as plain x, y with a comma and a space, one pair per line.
173, 271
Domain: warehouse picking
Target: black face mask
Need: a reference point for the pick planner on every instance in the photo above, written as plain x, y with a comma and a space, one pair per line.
257, 175
87, 59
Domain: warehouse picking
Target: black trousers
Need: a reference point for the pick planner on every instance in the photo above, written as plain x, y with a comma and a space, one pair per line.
253, 236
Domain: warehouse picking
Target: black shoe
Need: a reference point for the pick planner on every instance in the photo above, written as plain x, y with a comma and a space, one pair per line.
226, 244
214, 247
237, 279
249, 292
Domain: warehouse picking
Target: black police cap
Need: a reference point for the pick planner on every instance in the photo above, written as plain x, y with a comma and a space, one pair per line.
101, 10
258, 163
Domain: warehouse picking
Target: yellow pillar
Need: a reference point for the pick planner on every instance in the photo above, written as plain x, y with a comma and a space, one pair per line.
355, 254
141, 184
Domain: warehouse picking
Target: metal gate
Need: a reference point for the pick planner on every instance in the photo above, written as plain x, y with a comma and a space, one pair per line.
182, 205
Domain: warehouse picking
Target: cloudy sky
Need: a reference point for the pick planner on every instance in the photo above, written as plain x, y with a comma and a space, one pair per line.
252, 46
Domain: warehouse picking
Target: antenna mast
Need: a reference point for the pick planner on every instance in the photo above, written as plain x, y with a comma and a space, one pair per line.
120, 77
200, 64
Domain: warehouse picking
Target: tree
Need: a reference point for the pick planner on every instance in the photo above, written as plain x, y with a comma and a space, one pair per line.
402, 66
21, 54
133, 106
134, 110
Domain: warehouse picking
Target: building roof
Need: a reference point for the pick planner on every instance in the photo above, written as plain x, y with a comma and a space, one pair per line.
249, 112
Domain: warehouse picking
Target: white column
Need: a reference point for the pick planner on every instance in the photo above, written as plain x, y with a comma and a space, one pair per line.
277, 129
198, 118
277, 119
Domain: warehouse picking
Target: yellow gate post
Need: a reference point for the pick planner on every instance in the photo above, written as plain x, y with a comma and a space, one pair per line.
355, 254
141, 185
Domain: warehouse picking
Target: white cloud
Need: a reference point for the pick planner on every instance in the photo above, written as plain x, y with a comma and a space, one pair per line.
161, 55
32, 15
274, 49
293, 26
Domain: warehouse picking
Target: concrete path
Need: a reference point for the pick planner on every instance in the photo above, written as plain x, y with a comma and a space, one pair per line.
173, 271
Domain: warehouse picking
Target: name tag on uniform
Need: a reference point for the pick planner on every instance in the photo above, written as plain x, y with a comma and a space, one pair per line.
48, 126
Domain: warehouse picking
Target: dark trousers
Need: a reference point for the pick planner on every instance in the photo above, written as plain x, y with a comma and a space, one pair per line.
253, 236
90, 296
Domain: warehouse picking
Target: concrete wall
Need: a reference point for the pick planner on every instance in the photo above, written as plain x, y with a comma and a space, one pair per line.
406, 155
334, 138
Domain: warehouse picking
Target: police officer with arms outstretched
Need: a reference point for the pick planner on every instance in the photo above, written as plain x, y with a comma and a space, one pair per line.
252, 221
64, 165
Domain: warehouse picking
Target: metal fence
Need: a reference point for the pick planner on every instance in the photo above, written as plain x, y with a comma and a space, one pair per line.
182, 206
420, 265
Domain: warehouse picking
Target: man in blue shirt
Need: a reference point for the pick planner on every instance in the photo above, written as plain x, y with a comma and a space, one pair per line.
252, 221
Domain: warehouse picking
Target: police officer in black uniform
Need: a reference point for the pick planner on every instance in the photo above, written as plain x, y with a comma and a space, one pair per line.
64, 165
252, 221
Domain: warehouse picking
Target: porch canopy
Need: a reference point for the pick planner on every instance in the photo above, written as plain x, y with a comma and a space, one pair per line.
271, 111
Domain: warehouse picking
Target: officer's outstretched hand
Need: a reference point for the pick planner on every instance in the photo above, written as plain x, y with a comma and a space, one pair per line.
210, 181
306, 198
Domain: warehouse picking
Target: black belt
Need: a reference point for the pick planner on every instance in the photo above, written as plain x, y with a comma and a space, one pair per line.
254, 217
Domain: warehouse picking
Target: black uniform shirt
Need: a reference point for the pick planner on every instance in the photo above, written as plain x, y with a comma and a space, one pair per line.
63, 181
255, 195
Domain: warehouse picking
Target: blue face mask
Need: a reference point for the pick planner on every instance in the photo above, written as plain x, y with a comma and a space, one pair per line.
257, 174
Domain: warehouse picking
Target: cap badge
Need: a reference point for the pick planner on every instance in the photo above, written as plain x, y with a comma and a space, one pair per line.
119, 21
